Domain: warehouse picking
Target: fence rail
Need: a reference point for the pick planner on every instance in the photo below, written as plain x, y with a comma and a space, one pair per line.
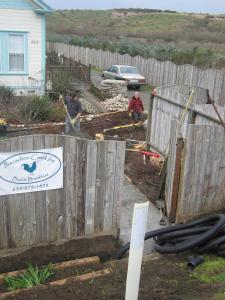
87, 204
157, 73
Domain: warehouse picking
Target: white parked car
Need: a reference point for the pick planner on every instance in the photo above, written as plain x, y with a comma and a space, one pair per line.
130, 74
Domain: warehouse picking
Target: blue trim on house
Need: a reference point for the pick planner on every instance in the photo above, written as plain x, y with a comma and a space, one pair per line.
13, 31
43, 5
43, 54
4, 45
14, 74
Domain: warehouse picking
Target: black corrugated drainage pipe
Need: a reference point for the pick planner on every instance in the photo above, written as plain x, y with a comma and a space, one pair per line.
199, 234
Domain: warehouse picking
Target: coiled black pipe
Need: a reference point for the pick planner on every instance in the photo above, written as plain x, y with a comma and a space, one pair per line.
179, 238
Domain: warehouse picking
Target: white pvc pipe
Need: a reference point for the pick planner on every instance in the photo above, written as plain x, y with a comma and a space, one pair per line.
139, 223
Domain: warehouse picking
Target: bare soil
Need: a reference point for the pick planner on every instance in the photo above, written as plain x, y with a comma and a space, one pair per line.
146, 176
104, 247
165, 278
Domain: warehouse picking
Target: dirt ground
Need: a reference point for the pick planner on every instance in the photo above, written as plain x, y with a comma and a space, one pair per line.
145, 176
165, 278
104, 247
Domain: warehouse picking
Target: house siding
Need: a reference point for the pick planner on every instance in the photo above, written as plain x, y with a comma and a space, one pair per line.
16, 20
18, 4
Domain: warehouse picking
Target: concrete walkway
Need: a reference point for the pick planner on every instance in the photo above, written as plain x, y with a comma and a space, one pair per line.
131, 195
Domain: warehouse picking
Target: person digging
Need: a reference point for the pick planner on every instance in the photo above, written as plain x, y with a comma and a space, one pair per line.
136, 108
74, 111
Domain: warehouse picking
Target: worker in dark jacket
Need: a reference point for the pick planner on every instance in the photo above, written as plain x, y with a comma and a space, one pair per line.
136, 107
74, 111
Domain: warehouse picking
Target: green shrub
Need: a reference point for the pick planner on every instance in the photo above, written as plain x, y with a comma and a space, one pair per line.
32, 277
34, 109
57, 113
6, 95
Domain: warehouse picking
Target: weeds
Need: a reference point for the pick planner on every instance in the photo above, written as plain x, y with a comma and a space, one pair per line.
34, 109
32, 277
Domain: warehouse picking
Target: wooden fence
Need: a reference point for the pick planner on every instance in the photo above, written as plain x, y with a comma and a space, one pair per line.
87, 204
195, 151
65, 73
157, 73
170, 103
202, 172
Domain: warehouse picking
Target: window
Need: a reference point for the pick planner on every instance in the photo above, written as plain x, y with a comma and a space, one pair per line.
16, 53
115, 70
13, 53
129, 70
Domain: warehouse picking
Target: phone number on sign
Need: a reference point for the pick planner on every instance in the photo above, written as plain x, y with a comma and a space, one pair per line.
30, 187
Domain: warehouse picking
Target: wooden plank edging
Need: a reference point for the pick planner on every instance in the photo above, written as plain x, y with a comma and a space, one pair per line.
58, 266
84, 277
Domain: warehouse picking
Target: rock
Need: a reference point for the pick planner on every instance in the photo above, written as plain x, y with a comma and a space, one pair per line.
117, 103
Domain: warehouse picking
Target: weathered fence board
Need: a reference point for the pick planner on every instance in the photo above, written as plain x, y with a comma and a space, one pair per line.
195, 174
157, 73
88, 203
203, 172
170, 103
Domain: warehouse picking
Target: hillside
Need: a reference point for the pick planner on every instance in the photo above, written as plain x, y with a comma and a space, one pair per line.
203, 35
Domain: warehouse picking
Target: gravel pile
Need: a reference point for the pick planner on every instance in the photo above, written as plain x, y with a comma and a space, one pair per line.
88, 107
118, 103
112, 88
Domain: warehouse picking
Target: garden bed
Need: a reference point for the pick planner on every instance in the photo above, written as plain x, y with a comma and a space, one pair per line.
162, 278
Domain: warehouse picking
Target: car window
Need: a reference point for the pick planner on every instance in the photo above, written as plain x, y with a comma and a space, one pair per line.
129, 70
115, 70
110, 69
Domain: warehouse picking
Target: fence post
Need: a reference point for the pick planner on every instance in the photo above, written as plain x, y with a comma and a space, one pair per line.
89, 74
176, 179
149, 124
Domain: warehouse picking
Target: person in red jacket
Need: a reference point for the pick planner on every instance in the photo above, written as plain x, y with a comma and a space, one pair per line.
136, 107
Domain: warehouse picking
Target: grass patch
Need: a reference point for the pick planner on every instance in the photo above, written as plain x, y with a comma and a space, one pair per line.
211, 271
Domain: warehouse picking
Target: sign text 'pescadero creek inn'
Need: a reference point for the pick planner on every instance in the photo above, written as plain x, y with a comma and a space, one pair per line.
31, 171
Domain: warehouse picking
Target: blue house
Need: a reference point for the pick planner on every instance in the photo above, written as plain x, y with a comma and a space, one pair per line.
23, 45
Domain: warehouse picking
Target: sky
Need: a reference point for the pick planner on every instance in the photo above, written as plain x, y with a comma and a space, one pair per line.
204, 6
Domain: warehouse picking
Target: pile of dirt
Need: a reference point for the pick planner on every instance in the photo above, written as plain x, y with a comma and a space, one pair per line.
104, 247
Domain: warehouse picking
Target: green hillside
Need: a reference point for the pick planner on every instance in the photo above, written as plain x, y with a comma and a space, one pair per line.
184, 38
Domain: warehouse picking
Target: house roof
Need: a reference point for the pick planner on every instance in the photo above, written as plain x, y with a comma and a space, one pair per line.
43, 5
44, 8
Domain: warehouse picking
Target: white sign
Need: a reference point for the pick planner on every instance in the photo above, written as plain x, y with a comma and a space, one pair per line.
140, 217
31, 171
